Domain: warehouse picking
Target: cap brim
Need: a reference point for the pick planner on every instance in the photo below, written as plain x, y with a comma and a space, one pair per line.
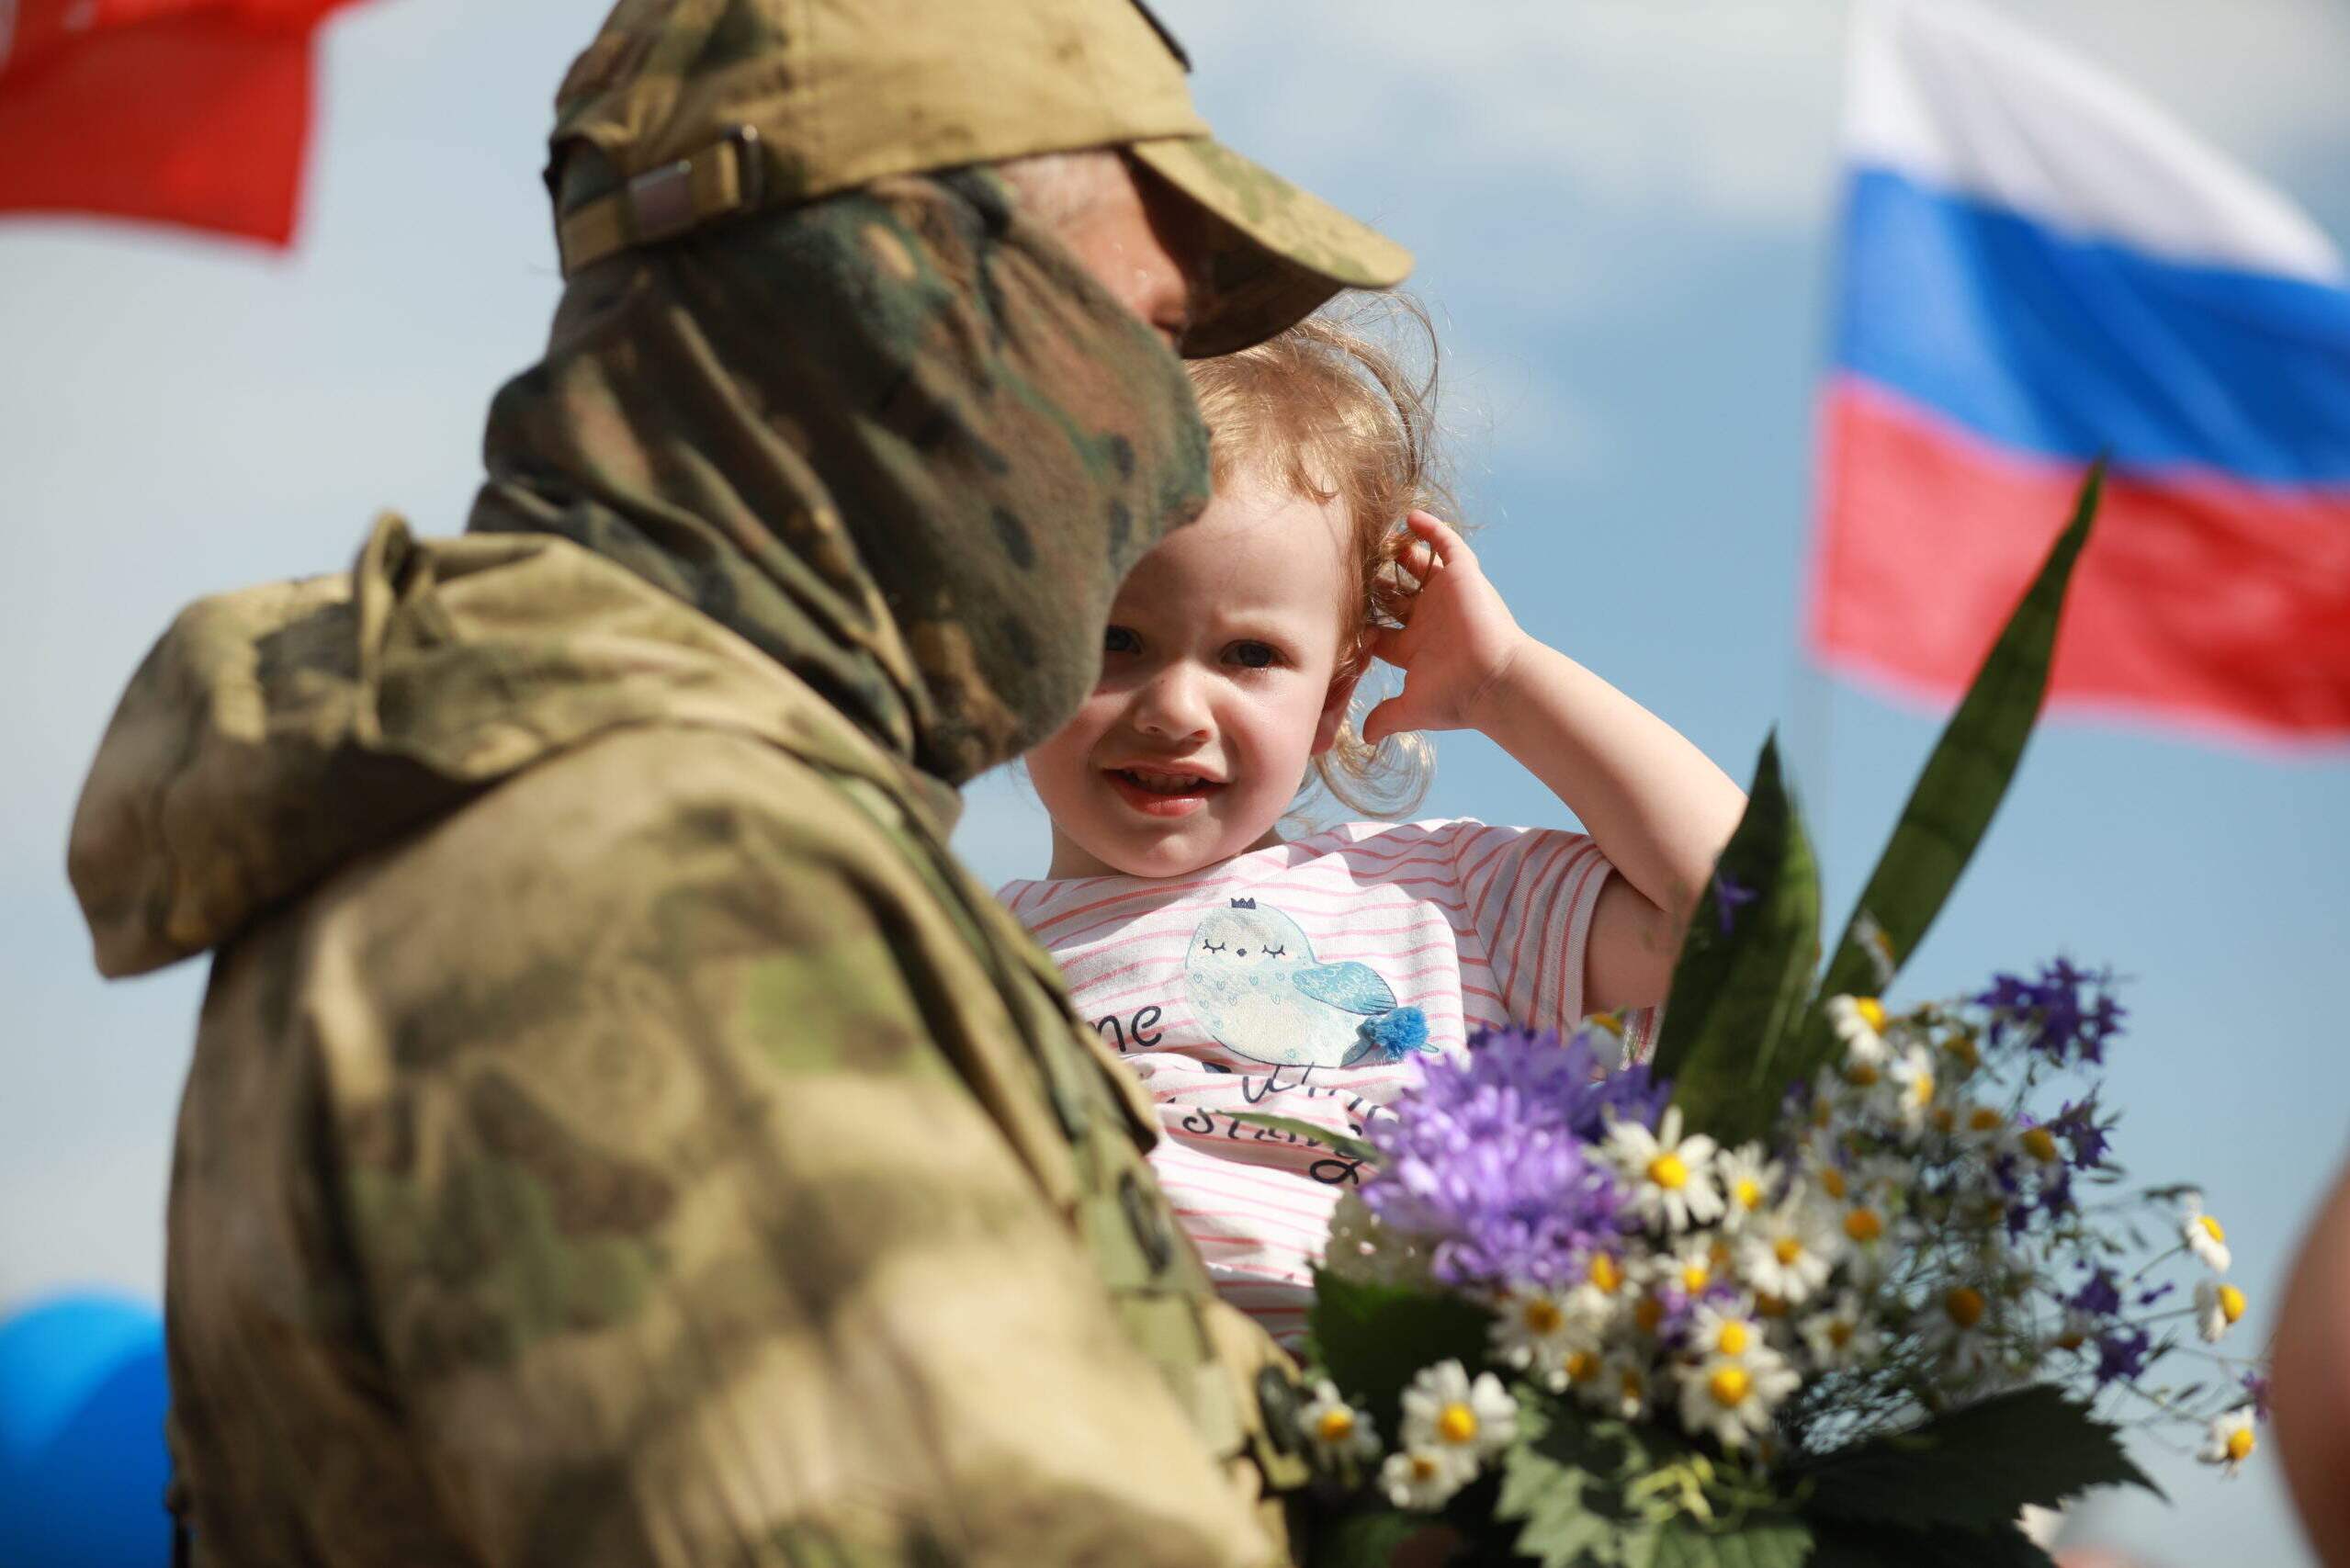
1288, 252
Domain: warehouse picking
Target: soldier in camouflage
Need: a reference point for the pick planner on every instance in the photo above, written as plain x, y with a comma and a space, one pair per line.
619, 1133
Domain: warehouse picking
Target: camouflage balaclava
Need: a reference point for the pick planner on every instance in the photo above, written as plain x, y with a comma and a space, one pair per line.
899, 439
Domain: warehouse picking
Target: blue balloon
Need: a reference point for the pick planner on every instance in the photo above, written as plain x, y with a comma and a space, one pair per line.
83, 1465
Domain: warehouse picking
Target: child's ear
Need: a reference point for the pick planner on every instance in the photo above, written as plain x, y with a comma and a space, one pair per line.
1334, 710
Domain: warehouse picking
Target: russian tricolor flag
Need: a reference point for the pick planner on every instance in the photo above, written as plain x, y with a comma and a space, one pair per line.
2039, 267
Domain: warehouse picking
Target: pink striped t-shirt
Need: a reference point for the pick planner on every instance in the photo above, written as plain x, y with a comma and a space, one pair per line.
1282, 981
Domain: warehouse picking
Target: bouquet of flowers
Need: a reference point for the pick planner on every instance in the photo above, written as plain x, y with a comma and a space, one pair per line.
1825, 1283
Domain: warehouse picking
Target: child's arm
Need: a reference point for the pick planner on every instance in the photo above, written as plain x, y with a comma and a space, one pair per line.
1658, 808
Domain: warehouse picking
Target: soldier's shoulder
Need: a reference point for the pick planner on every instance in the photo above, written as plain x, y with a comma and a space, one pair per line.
612, 837
678, 791
649, 877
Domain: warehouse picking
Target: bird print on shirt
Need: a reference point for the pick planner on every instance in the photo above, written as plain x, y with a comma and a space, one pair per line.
1255, 985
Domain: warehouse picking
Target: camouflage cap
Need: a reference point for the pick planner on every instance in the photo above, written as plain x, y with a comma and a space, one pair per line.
703, 109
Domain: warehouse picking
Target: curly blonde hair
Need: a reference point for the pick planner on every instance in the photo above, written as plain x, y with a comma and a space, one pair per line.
1332, 414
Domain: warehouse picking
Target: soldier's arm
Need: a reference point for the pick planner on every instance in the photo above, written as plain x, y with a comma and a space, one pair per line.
720, 1259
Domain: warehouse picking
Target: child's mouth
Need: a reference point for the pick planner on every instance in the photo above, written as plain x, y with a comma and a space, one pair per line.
1156, 794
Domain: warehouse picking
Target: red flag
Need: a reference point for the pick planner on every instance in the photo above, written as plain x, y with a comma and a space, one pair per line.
181, 111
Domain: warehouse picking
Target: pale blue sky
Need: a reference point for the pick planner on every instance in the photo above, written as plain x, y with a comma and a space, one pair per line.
1621, 207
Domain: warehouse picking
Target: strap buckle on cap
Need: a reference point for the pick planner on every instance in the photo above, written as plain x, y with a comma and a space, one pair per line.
722, 180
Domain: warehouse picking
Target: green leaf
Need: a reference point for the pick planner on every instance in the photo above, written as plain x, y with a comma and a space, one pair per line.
1975, 1467
1337, 1143
1561, 1527
1373, 1340
1744, 972
1559, 1481
1841, 1543
1964, 780
1770, 1540
1363, 1540
1568, 1482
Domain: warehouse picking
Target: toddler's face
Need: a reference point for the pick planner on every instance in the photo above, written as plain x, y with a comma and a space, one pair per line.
1218, 687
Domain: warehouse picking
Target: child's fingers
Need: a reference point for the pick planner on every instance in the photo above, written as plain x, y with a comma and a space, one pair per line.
1441, 539
1384, 720
1415, 562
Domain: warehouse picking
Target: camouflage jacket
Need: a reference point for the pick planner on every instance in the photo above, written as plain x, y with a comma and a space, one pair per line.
618, 1133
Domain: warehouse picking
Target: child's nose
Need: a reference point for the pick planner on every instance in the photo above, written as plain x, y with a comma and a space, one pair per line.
1174, 706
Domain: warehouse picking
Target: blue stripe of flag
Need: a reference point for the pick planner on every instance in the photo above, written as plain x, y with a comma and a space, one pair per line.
2067, 348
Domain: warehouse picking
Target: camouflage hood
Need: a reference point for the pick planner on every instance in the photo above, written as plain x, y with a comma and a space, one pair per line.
899, 440
859, 478
280, 732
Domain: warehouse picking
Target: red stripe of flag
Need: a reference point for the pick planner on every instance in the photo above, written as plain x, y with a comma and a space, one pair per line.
2201, 598
194, 112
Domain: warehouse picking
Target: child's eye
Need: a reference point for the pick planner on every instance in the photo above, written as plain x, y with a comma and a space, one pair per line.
1275, 952
1252, 655
1207, 946
1120, 640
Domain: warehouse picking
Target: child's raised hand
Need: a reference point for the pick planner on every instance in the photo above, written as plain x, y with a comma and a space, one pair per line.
1457, 640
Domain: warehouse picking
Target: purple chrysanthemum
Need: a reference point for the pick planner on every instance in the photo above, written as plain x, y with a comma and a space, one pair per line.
1490, 1159
1569, 1078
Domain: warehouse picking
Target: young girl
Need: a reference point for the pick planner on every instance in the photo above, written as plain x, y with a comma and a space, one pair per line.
1238, 970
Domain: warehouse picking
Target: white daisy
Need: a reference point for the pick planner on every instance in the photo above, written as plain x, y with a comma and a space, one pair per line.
1844, 1179
2205, 1236
1621, 1387
1539, 1331
1867, 1227
1823, 1169
2218, 1304
1962, 1050
1943, 1121
1648, 1313
1830, 1112
1424, 1480
1777, 1315
2079, 1330
1732, 1398
1670, 1178
1749, 1183
1790, 1252
1860, 1023
1339, 1433
1958, 1328
1600, 1296
1882, 1180
1583, 1371
1981, 1130
1690, 1266
1726, 1332
2232, 1441
2038, 1145
1444, 1411
1910, 1090
1840, 1335
1877, 943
